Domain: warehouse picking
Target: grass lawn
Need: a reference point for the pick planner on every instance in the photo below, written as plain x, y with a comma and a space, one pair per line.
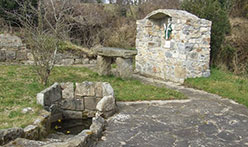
224, 84
19, 86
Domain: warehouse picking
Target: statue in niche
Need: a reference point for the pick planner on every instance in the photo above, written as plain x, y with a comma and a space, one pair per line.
168, 29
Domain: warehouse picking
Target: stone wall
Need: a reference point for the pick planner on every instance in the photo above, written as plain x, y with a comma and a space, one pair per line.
12, 50
185, 54
82, 100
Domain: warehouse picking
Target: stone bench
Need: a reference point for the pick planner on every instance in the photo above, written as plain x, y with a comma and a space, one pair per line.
122, 57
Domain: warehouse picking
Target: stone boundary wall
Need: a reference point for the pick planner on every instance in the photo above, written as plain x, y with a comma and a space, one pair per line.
12, 50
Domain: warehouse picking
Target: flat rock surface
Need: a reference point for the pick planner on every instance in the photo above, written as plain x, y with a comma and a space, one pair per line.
115, 52
202, 120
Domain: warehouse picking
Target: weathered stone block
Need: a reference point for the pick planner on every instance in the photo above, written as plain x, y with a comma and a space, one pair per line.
67, 90
2, 55
103, 65
7, 135
97, 126
72, 104
67, 61
124, 67
68, 114
50, 95
99, 89
180, 72
85, 89
107, 103
31, 132
10, 55
91, 102
86, 61
107, 89
89, 113
78, 61
115, 52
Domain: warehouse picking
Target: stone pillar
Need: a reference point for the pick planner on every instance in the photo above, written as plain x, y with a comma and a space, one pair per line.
103, 65
124, 67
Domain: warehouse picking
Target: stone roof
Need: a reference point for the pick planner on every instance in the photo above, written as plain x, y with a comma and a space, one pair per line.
180, 14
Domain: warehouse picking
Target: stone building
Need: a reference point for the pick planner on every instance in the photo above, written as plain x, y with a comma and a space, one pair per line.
173, 45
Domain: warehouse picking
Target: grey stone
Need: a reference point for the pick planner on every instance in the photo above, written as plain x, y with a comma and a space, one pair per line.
103, 65
124, 67
168, 54
93, 61
78, 61
89, 113
107, 103
86, 61
107, 89
10, 55
91, 102
67, 90
97, 126
7, 135
27, 110
21, 142
2, 55
115, 52
10, 41
72, 104
68, 114
31, 132
67, 61
85, 89
99, 89
50, 95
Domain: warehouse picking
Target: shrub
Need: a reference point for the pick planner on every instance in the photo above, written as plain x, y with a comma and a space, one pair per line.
240, 8
235, 47
8, 7
211, 10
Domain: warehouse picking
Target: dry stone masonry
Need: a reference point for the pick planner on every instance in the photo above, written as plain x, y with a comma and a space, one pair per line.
12, 50
173, 45
65, 102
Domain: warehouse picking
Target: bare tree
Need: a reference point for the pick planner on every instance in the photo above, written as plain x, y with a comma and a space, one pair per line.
44, 27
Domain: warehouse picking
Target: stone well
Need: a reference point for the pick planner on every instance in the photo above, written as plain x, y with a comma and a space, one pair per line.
173, 45
74, 112
82, 100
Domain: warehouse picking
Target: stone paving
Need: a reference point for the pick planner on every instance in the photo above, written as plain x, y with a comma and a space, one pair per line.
202, 120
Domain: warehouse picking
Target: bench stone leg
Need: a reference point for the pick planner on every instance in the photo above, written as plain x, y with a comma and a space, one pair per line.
124, 67
103, 65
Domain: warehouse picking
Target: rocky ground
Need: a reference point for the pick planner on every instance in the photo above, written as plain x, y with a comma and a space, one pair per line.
202, 120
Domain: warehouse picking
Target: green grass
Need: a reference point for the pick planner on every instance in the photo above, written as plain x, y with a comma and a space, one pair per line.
224, 84
19, 86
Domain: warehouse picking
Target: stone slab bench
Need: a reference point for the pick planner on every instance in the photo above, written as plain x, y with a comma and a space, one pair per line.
122, 57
